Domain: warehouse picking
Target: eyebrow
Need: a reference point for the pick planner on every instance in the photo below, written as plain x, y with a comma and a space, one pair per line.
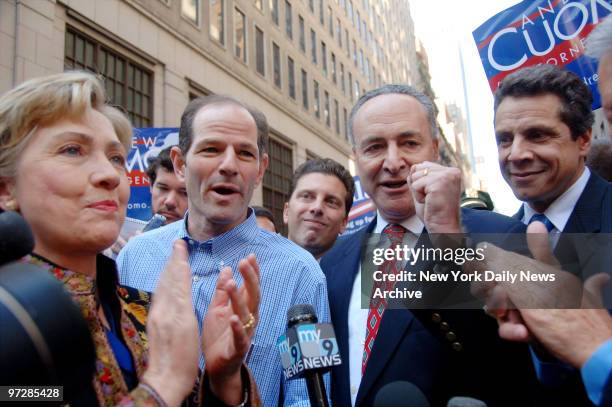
86, 138
404, 134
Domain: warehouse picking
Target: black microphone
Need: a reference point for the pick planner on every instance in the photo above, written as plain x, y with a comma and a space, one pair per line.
308, 349
465, 402
400, 394
16, 239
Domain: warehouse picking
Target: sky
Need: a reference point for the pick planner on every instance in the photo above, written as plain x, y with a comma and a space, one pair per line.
445, 27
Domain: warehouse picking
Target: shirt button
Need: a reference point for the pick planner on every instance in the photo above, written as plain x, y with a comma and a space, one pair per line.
190, 242
196, 279
353, 389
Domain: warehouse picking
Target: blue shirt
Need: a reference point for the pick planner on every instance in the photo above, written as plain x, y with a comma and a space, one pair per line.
289, 275
597, 370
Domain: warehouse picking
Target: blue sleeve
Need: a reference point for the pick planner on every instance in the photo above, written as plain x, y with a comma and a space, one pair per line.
596, 371
553, 373
315, 293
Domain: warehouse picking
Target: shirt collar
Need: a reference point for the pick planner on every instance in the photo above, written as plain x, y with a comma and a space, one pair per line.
413, 224
226, 244
561, 209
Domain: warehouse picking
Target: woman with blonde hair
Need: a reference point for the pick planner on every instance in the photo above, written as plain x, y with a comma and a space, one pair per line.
62, 167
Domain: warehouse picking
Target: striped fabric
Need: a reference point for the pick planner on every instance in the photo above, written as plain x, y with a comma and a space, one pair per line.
289, 276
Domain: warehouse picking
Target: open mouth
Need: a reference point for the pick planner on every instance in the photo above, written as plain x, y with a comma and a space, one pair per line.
225, 190
394, 184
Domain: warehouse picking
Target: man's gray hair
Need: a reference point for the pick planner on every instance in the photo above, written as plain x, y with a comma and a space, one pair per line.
599, 41
400, 90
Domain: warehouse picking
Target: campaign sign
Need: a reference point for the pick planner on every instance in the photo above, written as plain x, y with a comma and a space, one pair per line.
362, 211
541, 32
146, 142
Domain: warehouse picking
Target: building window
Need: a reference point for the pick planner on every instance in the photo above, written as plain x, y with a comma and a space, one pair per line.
191, 10
367, 70
240, 35
345, 121
333, 67
317, 102
260, 63
304, 89
217, 20
355, 52
127, 84
276, 64
302, 34
330, 18
361, 64
313, 44
274, 11
339, 32
259, 5
350, 83
356, 90
288, 20
348, 45
337, 116
342, 78
326, 111
311, 5
350, 10
321, 16
324, 57
291, 77
277, 180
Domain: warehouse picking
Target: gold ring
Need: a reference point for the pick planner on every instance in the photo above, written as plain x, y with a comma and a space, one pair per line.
425, 172
250, 322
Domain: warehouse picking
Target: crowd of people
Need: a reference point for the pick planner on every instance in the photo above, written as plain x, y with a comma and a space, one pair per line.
191, 312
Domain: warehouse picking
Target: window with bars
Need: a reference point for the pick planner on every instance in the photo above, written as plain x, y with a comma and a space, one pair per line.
127, 84
277, 180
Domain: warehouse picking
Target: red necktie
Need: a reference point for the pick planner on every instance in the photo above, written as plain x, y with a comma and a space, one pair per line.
395, 233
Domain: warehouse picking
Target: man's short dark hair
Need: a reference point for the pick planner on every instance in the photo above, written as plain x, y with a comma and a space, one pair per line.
260, 211
575, 96
161, 160
599, 158
327, 166
192, 109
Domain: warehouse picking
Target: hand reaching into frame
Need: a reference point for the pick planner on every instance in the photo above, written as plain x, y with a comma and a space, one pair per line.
228, 328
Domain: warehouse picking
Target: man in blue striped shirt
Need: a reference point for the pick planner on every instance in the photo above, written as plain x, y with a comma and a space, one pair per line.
222, 157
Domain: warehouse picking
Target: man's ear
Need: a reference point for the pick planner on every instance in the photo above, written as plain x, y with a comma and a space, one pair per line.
178, 161
263, 165
8, 201
344, 223
436, 148
286, 213
584, 142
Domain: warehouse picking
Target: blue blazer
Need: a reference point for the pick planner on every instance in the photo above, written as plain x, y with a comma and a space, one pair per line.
446, 353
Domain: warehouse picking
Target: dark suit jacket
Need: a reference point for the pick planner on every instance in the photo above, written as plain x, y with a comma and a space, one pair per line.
446, 353
584, 253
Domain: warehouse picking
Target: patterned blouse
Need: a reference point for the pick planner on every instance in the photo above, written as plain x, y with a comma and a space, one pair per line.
129, 307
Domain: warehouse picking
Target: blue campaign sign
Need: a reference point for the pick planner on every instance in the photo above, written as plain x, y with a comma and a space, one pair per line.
146, 142
362, 211
541, 32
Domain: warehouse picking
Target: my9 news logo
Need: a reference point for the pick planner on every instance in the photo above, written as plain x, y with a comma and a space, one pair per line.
308, 346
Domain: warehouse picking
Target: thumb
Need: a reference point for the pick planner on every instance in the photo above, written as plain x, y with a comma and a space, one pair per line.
539, 243
593, 287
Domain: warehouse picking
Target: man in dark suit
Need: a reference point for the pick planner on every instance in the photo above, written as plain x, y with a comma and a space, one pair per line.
445, 353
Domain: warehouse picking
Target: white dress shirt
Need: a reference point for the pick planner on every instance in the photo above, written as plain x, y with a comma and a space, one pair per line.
358, 316
561, 209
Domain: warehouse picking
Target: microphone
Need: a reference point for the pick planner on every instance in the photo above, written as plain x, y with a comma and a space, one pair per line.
17, 239
400, 394
155, 222
465, 402
308, 349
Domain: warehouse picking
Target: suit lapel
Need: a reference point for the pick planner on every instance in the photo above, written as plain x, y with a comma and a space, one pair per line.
587, 214
340, 286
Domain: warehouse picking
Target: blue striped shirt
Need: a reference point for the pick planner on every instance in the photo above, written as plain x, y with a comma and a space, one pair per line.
289, 276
